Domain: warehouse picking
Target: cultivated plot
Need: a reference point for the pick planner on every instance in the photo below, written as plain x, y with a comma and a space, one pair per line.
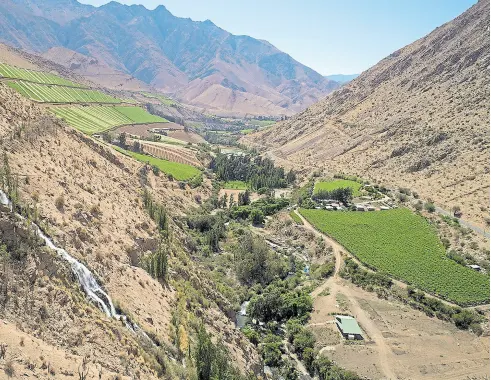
9, 71
338, 184
96, 119
405, 246
60, 94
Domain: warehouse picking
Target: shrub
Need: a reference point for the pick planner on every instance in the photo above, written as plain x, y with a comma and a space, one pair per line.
60, 202
9, 369
430, 207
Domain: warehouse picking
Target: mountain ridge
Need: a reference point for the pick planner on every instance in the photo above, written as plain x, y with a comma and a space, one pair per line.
199, 62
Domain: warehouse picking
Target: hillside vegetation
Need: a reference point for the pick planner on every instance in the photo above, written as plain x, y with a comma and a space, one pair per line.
418, 119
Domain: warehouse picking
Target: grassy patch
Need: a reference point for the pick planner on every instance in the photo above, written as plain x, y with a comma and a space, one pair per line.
296, 218
235, 185
181, 172
338, 184
405, 246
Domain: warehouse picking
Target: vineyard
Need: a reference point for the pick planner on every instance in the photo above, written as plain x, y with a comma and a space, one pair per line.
96, 119
338, 184
181, 172
405, 246
8, 71
60, 94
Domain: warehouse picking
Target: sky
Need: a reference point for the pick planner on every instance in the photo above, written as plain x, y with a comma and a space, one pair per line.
330, 36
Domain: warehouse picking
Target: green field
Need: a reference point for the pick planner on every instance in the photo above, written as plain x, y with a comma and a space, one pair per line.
247, 131
96, 119
338, 184
296, 218
8, 71
181, 172
60, 94
139, 115
262, 123
405, 246
162, 98
235, 185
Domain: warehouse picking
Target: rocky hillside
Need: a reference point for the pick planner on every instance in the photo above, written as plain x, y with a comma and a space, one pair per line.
418, 119
199, 62
88, 198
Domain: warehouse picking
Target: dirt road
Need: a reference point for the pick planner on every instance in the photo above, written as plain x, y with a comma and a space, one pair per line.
336, 286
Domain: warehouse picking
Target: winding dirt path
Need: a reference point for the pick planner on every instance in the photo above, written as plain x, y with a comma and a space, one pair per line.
336, 286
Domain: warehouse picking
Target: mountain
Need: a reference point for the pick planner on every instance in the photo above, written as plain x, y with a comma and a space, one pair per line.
341, 78
199, 62
418, 119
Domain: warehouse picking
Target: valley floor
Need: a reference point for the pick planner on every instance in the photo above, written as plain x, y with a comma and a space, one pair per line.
400, 342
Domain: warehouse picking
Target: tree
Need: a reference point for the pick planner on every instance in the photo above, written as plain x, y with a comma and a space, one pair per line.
271, 350
123, 139
257, 217
255, 262
204, 354
291, 177
137, 146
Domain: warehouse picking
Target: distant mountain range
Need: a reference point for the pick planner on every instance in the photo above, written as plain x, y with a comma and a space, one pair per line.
341, 78
199, 62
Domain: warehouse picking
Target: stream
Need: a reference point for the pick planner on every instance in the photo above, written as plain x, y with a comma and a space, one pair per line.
241, 317
84, 276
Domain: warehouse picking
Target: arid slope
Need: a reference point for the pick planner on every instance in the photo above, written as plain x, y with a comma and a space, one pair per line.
89, 198
417, 119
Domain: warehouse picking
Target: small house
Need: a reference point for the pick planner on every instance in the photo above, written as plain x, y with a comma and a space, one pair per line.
348, 327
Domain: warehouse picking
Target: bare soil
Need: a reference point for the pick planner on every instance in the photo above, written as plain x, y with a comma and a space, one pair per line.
399, 342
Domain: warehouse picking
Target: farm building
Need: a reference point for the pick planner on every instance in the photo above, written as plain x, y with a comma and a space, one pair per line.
348, 327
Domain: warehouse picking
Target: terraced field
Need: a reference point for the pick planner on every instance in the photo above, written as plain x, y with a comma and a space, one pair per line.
60, 94
96, 119
181, 172
9, 71
405, 246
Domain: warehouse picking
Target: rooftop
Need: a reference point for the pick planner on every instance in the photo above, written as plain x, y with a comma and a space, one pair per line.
348, 325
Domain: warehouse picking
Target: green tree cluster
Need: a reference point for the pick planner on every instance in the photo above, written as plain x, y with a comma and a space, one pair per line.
257, 171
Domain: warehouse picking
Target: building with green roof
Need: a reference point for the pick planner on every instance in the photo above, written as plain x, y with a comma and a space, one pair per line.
349, 327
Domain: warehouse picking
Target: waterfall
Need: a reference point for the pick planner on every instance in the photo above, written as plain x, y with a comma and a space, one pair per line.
85, 277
